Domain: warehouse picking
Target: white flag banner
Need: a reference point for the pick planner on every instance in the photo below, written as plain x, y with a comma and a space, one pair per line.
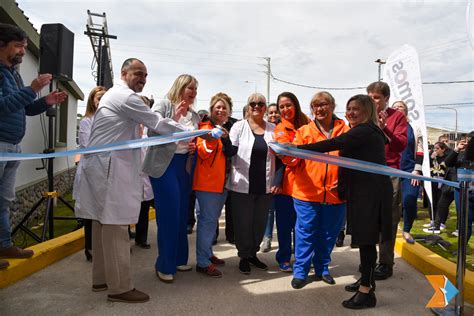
402, 74
470, 21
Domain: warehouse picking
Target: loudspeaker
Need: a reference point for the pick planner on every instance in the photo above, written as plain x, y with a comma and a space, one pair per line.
56, 51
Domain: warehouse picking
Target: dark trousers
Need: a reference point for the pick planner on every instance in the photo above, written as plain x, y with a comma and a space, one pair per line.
445, 200
229, 223
141, 229
436, 194
368, 258
249, 221
87, 233
192, 206
386, 248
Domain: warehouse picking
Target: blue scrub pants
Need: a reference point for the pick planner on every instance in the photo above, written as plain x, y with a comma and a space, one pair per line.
316, 230
285, 222
409, 197
171, 193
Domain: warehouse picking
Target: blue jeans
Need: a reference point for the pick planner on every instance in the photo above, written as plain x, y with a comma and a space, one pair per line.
171, 193
7, 192
316, 230
270, 221
210, 208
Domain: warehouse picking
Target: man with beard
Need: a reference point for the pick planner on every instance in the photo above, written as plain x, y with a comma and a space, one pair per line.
16, 101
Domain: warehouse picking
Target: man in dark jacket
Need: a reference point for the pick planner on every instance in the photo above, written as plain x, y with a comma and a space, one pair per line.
16, 101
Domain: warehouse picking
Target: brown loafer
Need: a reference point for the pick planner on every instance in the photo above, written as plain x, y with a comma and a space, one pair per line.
4, 264
15, 253
132, 296
99, 287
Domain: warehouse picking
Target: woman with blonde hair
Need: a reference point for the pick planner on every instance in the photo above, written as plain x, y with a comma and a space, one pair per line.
169, 168
209, 181
368, 195
313, 185
84, 133
251, 181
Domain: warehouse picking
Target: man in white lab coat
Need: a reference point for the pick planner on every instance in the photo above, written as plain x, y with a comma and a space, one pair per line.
110, 186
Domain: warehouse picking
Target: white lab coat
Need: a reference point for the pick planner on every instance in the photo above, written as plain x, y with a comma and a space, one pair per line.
110, 187
84, 134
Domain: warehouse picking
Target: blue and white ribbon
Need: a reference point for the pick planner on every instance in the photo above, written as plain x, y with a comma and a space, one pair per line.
353, 164
123, 145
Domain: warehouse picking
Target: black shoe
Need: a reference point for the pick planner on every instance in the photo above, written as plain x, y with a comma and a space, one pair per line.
383, 272
257, 263
361, 300
354, 287
244, 266
143, 245
88, 255
340, 239
298, 283
326, 278
132, 235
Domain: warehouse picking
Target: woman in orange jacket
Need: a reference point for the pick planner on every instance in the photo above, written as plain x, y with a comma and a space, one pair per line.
292, 118
320, 211
209, 180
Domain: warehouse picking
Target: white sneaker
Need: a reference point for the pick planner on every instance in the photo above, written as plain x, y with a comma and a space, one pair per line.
184, 267
428, 225
432, 230
442, 227
455, 233
167, 278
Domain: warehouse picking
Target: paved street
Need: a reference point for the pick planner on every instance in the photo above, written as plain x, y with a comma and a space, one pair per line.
64, 288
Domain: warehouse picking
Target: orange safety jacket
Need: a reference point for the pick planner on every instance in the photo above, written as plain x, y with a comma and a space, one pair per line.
209, 174
285, 133
316, 181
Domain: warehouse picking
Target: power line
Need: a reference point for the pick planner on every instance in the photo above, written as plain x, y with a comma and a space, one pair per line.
358, 88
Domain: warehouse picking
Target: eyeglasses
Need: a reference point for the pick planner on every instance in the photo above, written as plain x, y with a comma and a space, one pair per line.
254, 104
319, 105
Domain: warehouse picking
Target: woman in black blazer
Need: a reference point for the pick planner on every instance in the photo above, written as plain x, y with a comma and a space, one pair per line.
368, 195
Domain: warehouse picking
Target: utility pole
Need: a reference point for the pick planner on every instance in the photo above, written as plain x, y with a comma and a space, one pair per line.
99, 37
268, 72
380, 62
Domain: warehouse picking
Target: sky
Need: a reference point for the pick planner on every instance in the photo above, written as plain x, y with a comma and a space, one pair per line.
328, 44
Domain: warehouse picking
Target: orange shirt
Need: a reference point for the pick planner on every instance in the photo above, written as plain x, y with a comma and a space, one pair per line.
285, 133
209, 174
316, 181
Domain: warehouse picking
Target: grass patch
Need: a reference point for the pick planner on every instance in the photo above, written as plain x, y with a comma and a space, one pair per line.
451, 252
35, 223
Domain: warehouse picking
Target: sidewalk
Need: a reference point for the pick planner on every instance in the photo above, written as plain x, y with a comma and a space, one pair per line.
64, 288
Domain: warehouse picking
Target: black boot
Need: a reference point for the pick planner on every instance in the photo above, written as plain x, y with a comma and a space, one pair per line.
361, 300
354, 287
340, 239
88, 254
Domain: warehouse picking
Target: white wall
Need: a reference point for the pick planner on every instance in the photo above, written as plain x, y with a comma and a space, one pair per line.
35, 141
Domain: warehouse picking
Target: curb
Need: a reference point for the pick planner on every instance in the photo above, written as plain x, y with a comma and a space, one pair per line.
429, 263
50, 251
46, 253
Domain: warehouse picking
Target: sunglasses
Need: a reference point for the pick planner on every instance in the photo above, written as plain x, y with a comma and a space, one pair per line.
260, 104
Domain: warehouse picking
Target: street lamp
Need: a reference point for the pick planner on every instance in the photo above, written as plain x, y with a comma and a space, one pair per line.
380, 62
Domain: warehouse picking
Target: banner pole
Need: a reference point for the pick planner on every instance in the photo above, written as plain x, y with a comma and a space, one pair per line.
462, 240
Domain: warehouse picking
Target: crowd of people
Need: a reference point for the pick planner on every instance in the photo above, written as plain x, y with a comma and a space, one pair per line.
232, 165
